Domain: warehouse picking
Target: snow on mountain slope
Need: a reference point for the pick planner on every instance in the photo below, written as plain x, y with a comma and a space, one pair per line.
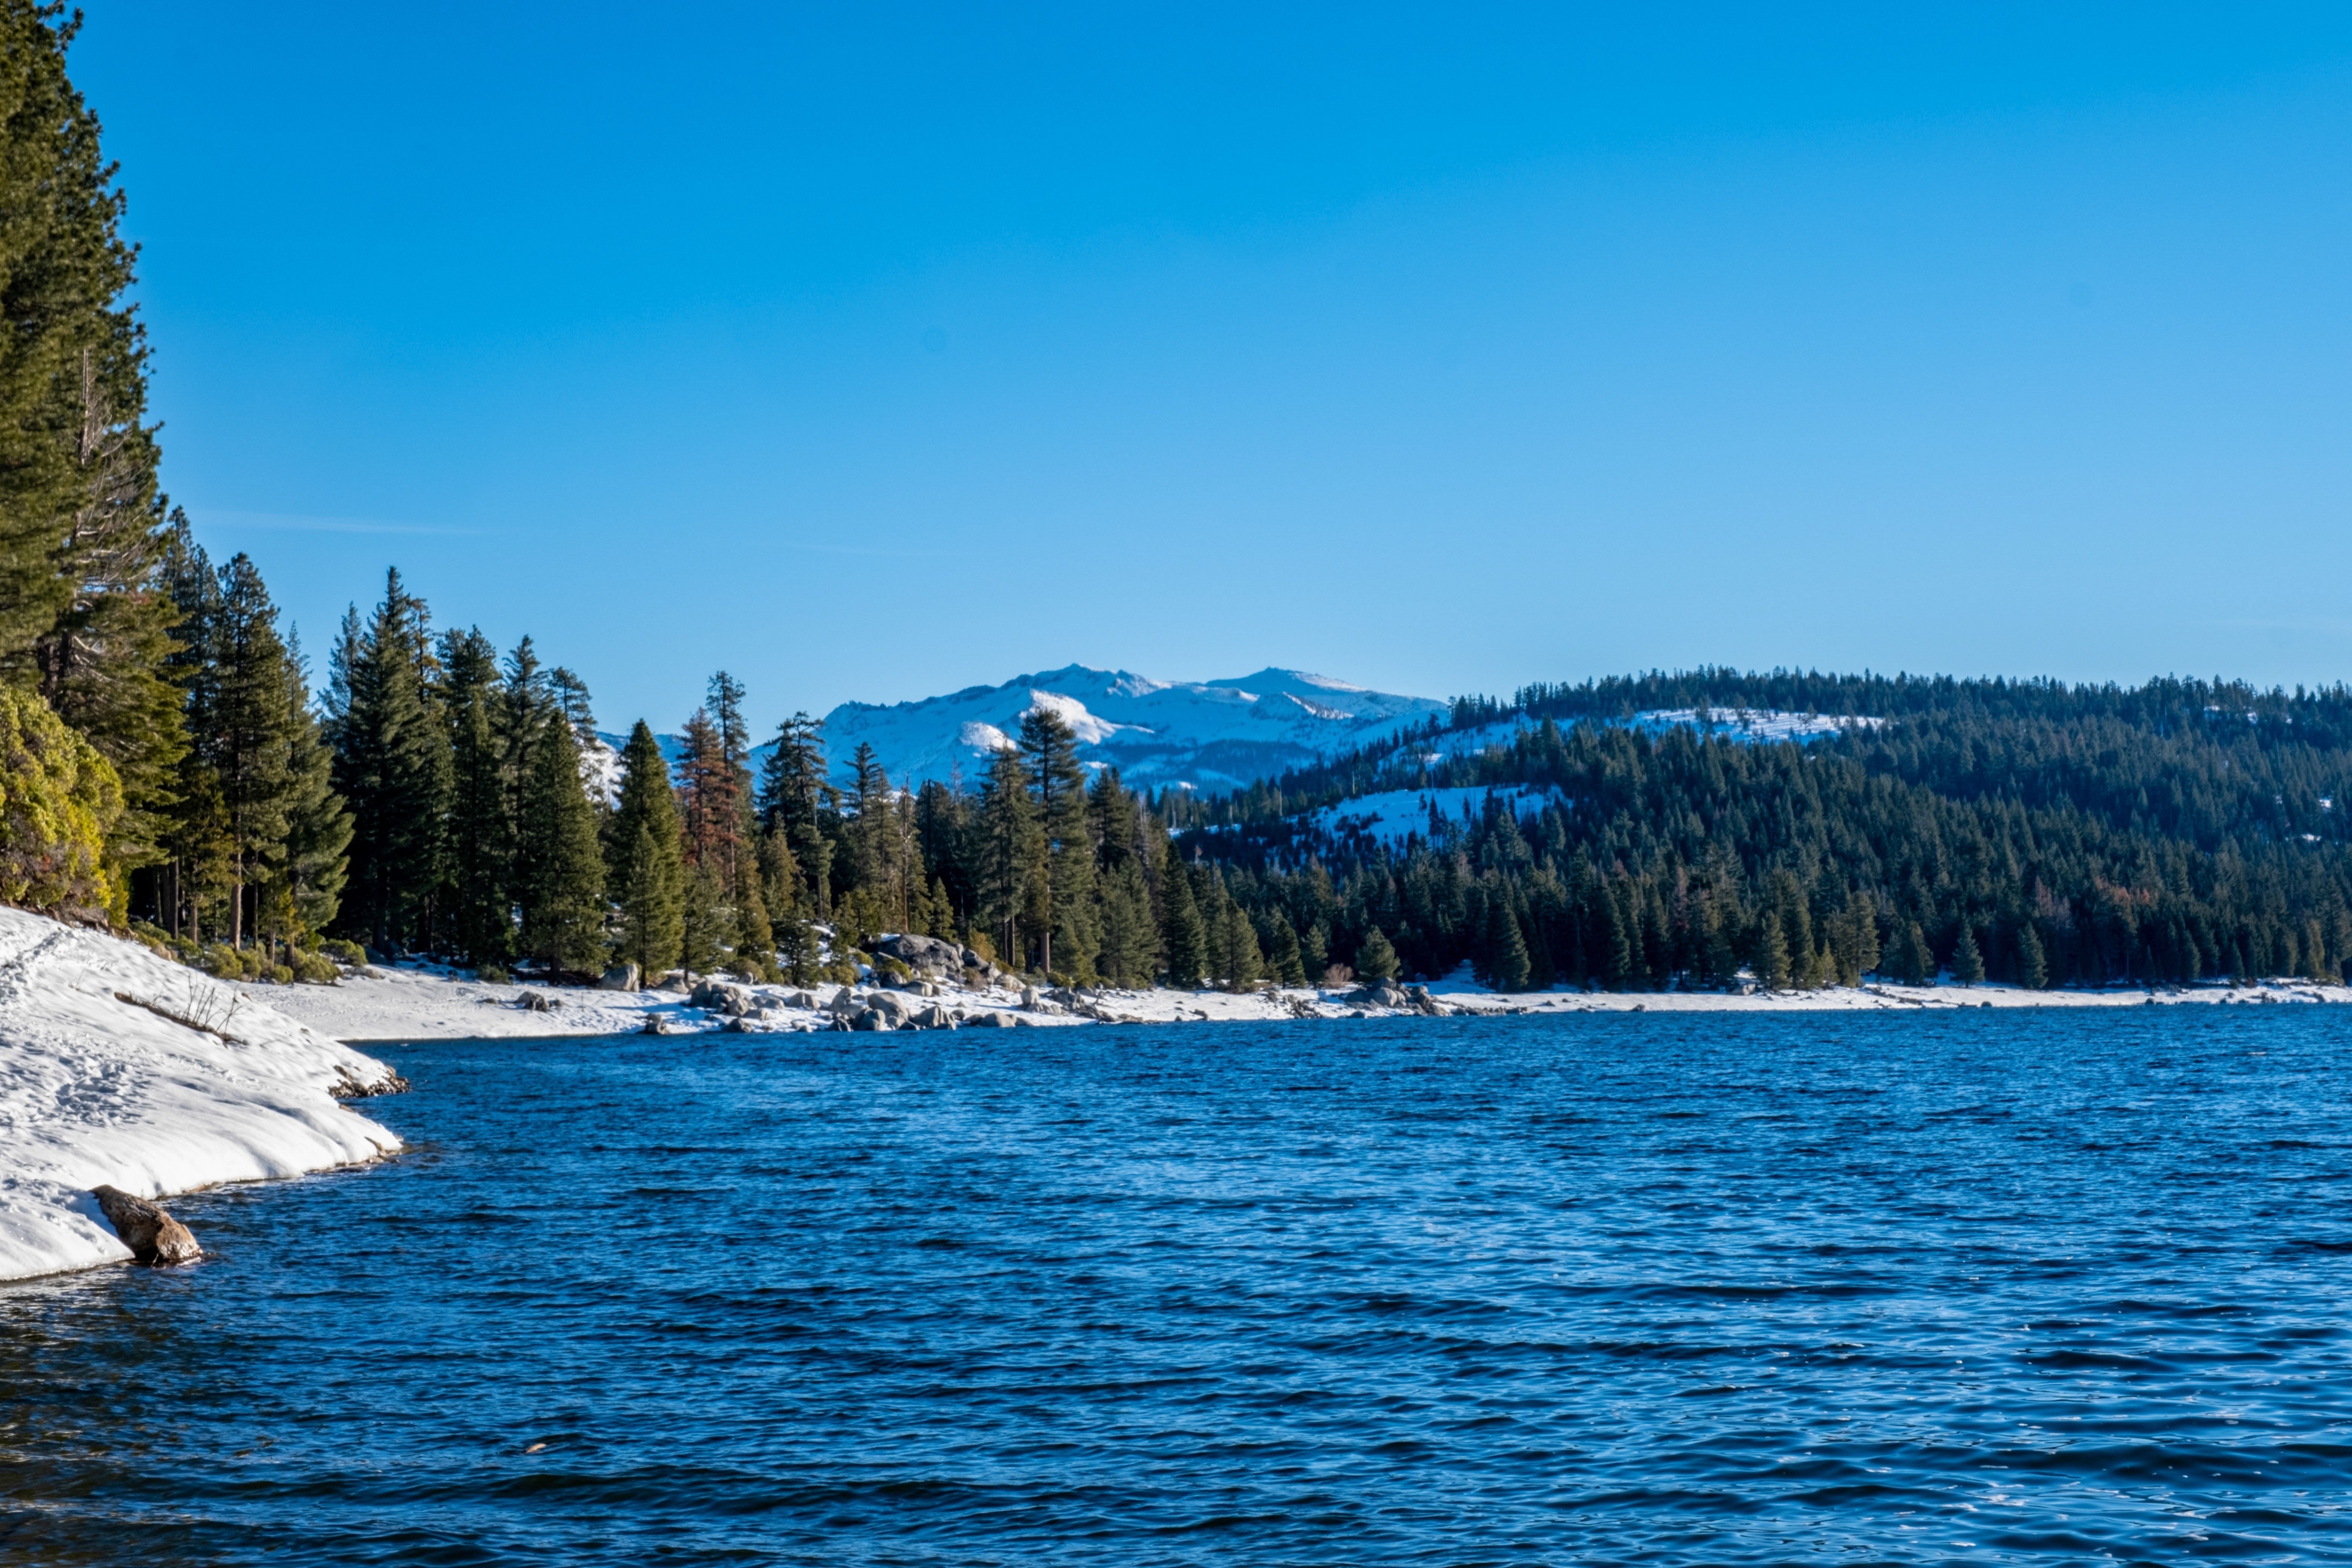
1213, 734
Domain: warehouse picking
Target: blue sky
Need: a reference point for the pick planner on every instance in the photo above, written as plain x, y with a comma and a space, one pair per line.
874, 351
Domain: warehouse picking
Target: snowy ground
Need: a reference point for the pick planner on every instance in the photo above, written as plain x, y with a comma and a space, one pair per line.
119, 1067
423, 1003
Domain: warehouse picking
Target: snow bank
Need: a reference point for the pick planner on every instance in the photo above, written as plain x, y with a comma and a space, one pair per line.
117, 1066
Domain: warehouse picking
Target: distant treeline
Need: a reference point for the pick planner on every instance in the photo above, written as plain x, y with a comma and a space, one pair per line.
2027, 831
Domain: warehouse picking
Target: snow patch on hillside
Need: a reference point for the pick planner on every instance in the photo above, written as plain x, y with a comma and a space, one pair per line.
1393, 816
119, 1067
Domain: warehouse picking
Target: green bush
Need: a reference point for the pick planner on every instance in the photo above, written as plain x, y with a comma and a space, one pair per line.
277, 975
491, 974
349, 954
59, 800
316, 969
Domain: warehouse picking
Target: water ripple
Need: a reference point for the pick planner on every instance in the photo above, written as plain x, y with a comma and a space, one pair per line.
1609, 1289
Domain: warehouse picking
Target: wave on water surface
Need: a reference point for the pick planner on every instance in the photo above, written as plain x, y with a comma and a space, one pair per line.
1708, 1289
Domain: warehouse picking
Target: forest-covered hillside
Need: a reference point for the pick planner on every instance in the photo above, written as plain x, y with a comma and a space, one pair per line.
2039, 832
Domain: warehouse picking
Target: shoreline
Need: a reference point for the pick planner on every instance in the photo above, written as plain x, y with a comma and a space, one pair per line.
416, 1002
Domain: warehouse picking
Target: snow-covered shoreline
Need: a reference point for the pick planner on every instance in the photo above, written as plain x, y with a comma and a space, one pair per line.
426, 1003
119, 1067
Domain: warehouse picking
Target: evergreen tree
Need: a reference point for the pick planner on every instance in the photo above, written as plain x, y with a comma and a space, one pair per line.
2032, 966
393, 768
306, 886
1376, 958
1967, 963
1771, 960
1283, 961
483, 815
1915, 963
85, 614
1010, 846
795, 795
1187, 939
1068, 861
1130, 942
705, 929
1506, 947
1243, 963
647, 874
250, 737
559, 866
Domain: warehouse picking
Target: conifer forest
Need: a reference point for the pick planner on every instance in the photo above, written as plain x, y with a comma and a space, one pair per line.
173, 763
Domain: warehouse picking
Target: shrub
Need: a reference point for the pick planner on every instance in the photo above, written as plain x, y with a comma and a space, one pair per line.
316, 969
350, 954
277, 975
491, 974
59, 800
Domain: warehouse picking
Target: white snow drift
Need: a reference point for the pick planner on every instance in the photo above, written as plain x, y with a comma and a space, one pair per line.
117, 1066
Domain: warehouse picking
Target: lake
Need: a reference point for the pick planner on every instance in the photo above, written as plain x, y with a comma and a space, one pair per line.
1984, 1287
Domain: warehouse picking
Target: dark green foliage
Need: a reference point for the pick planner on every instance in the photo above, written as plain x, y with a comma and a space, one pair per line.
394, 768
646, 871
483, 810
2033, 967
1283, 962
1967, 960
1186, 938
794, 796
1376, 958
1770, 962
559, 870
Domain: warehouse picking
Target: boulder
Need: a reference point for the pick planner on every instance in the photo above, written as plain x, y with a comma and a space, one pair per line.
153, 1236
1029, 996
620, 977
721, 997
655, 1025
737, 1027
869, 1022
927, 955
535, 1002
990, 1021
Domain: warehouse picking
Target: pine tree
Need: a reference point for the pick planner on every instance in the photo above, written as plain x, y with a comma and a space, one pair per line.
647, 874
704, 928
1245, 963
559, 866
1915, 961
1052, 751
85, 615
483, 814
1967, 963
1376, 958
795, 795
754, 937
1506, 947
1130, 939
393, 768
1283, 960
2033, 967
251, 735
305, 887
1010, 847
1771, 960
1186, 937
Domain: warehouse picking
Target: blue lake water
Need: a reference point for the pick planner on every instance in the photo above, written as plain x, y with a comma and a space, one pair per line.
1988, 1288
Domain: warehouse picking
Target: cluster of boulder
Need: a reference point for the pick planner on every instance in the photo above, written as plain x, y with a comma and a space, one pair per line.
1403, 998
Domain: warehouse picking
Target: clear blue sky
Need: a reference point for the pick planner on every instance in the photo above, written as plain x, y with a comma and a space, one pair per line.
873, 352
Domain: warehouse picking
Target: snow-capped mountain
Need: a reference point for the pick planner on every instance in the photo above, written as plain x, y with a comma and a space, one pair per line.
1210, 734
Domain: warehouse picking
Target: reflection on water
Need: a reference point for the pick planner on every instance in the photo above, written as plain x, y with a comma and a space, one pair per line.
1601, 1289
